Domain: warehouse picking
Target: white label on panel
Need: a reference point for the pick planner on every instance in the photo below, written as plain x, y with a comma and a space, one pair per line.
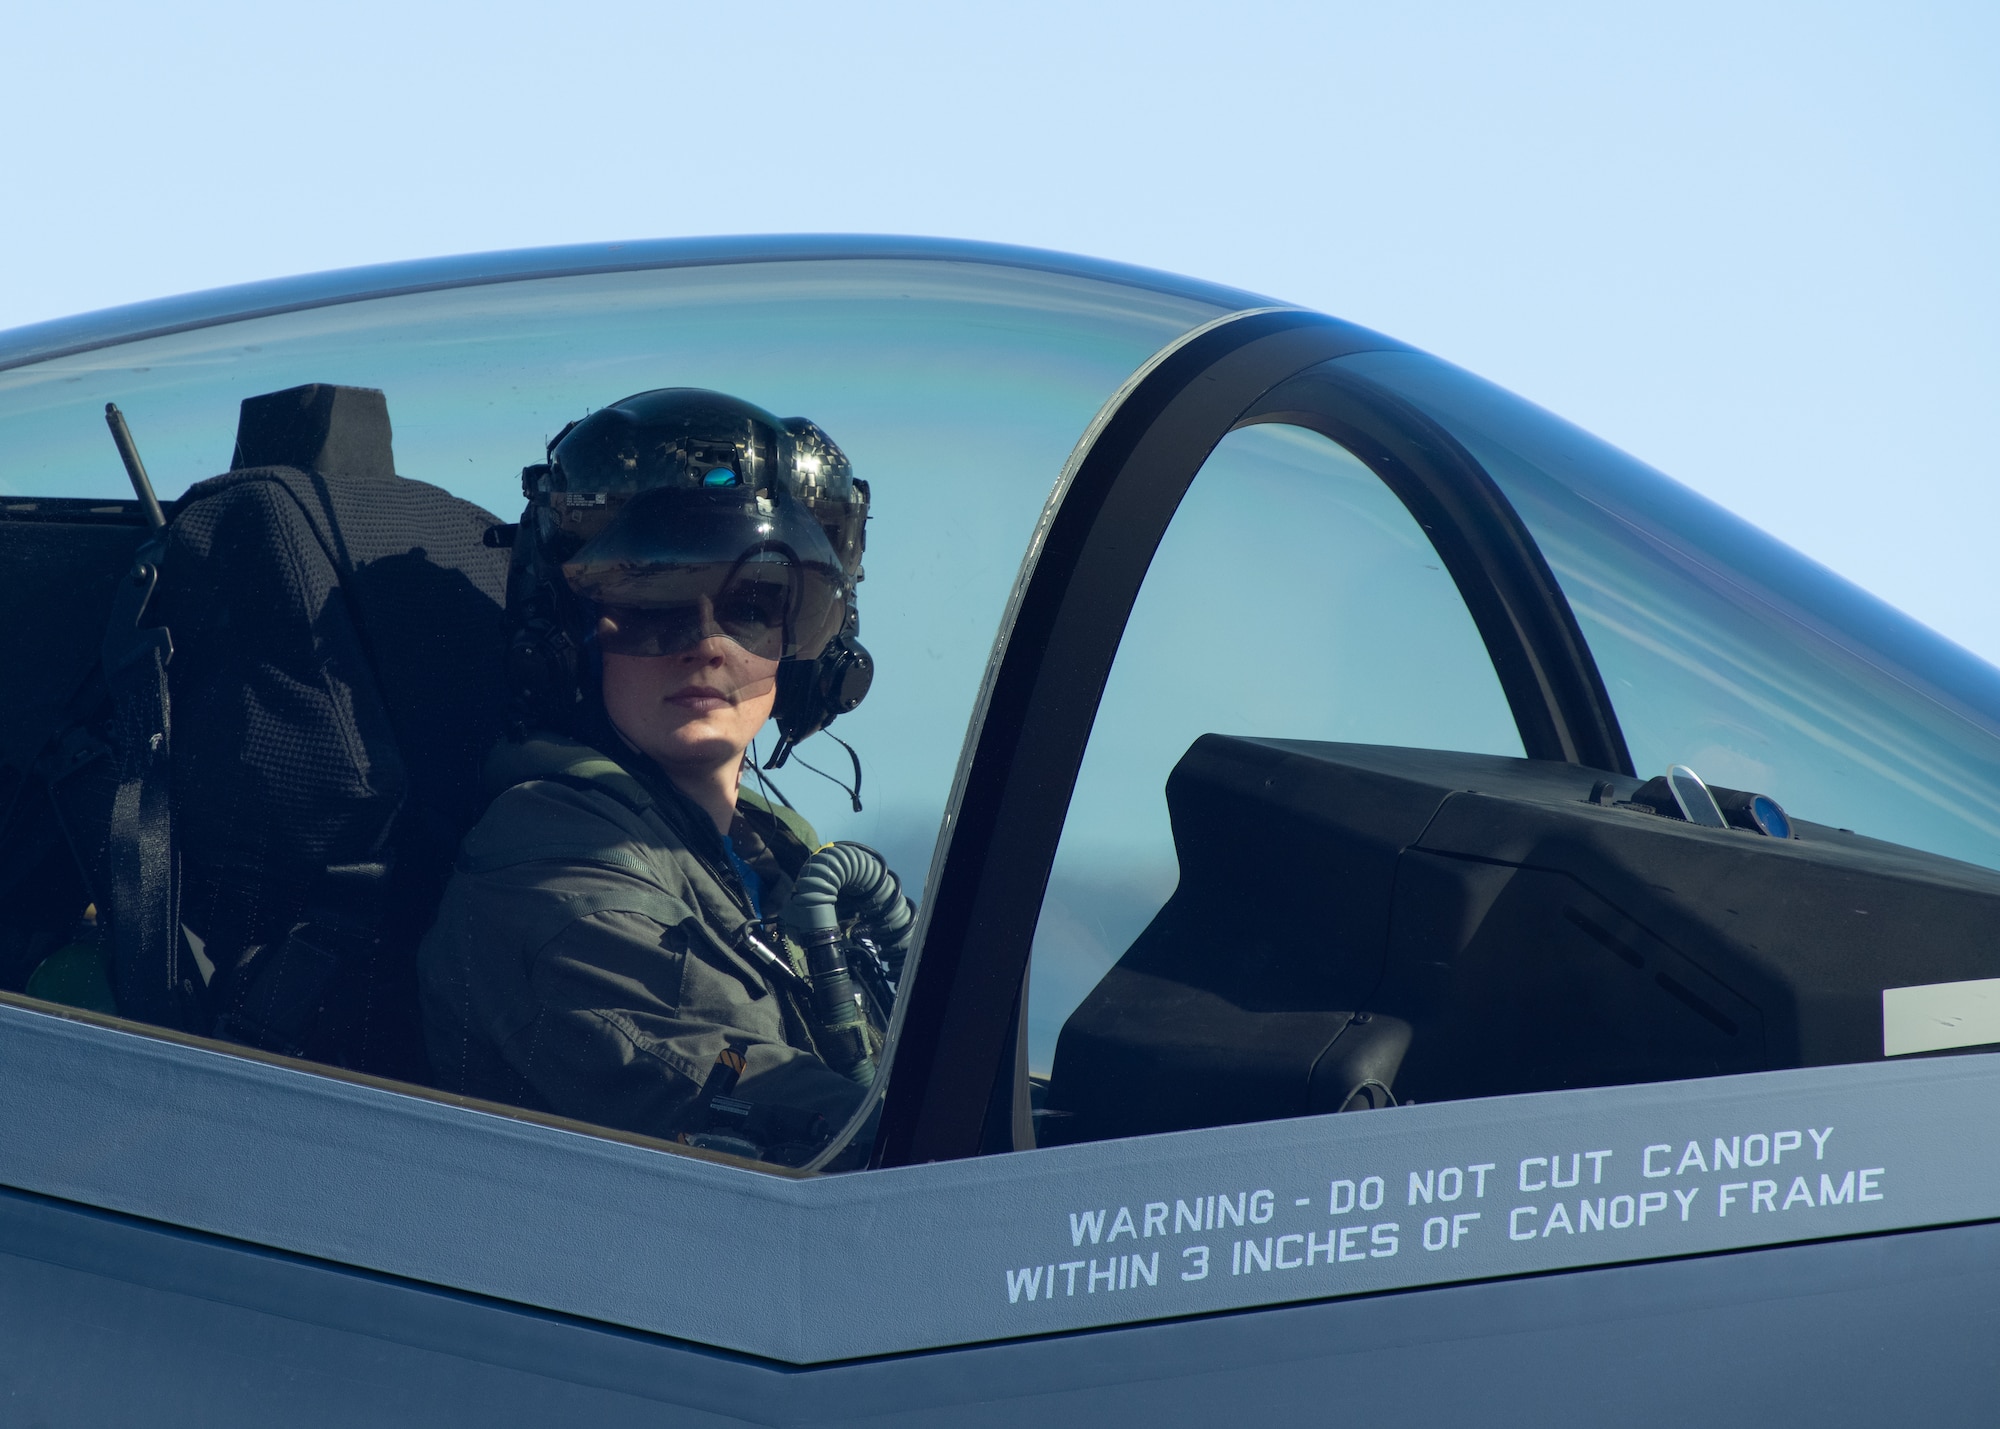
1940, 1015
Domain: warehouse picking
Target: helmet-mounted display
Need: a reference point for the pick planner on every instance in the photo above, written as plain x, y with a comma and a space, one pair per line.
676, 515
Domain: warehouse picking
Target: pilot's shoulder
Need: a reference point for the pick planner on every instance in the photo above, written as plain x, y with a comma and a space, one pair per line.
558, 758
557, 800
778, 817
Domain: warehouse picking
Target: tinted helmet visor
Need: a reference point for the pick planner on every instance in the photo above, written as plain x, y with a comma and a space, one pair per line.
674, 568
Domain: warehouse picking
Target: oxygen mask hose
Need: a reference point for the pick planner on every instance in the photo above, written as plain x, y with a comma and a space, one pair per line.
851, 880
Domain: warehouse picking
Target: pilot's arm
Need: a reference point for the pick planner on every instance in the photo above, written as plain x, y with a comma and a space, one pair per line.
631, 1013
595, 983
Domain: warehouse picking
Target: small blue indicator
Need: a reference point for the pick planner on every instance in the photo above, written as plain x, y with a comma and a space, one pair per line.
721, 476
1770, 817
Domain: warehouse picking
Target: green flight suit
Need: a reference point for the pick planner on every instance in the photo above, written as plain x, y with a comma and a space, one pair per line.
586, 957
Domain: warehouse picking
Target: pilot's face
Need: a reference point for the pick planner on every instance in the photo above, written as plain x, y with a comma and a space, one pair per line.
695, 711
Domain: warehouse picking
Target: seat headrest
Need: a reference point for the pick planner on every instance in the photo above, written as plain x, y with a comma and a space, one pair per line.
334, 431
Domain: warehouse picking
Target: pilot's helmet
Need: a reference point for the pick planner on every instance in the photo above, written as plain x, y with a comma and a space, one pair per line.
679, 514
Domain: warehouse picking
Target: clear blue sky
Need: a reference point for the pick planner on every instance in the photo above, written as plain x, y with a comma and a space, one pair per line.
1756, 245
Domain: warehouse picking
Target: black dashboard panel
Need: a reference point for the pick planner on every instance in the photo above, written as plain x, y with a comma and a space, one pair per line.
1533, 927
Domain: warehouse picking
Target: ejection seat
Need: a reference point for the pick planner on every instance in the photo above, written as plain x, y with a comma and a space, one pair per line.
261, 784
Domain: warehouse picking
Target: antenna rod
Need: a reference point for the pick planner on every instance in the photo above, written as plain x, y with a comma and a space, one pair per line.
134, 468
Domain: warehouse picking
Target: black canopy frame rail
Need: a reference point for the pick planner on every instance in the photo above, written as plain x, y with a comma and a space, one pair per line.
1546, 670
957, 1055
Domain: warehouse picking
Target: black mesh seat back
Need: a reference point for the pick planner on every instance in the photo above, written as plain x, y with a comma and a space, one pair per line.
335, 686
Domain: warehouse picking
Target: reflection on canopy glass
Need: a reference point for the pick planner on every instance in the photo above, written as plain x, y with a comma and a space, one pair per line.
956, 389
1725, 650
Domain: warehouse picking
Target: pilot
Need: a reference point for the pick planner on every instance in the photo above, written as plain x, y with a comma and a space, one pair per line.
613, 945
